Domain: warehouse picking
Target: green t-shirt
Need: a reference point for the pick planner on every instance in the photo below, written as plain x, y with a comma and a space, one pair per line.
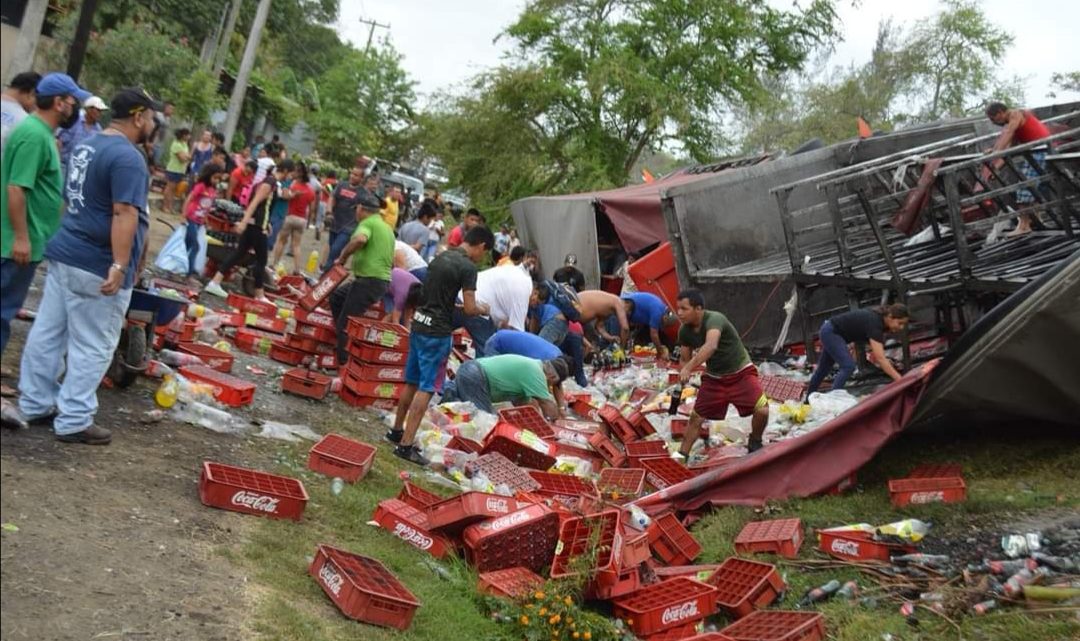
514, 377
32, 162
376, 258
175, 165
730, 355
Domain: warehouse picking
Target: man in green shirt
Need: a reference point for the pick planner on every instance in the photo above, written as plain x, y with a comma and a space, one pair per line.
510, 377
730, 378
371, 249
32, 191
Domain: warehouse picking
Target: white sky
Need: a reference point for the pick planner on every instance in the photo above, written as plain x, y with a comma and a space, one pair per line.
446, 42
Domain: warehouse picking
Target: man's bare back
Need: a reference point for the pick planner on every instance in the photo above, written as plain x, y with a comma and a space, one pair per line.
598, 304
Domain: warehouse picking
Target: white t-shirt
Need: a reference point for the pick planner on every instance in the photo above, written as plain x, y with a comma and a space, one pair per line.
11, 114
506, 290
413, 260
264, 166
436, 227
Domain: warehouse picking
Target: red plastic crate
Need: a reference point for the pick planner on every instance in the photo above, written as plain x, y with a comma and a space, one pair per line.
678, 427
929, 484
253, 341
575, 536
305, 382
326, 286
628, 483
664, 472
375, 355
614, 585
672, 542
251, 306
744, 586
607, 449
655, 273
251, 491
410, 525
307, 344
373, 389
580, 404
646, 449
586, 454
529, 418
641, 425
674, 634
326, 321
937, 471
520, 447
617, 423
227, 388
635, 546
318, 332
282, 353
524, 538
510, 583
563, 486
463, 444
341, 457
265, 323
857, 545
376, 373
778, 536
499, 469
417, 496
374, 332
696, 572
211, 357
709, 636
777, 625
458, 511
357, 400
668, 604
363, 589
781, 388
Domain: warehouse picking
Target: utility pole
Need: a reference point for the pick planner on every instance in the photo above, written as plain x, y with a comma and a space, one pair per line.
226, 37
371, 32
236, 101
210, 43
77, 52
22, 58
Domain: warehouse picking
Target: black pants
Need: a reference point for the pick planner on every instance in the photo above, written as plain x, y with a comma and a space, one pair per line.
363, 293
252, 238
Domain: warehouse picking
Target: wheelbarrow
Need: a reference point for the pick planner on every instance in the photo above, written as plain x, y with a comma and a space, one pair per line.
145, 312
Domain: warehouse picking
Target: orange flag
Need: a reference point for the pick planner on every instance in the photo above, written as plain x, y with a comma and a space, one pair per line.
646, 175
864, 128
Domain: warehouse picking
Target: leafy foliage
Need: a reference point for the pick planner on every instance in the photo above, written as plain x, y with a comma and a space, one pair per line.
132, 54
197, 97
1067, 81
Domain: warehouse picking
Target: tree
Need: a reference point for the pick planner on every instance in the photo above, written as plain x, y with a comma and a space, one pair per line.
1068, 81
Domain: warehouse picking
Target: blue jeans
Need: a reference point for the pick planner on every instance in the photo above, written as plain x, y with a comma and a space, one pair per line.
429, 250
420, 273
834, 349
479, 328
469, 384
15, 282
338, 240
554, 331
74, 319
574, 347
191, 242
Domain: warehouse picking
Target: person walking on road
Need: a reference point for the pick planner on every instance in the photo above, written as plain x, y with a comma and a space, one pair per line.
343, 211
176, 167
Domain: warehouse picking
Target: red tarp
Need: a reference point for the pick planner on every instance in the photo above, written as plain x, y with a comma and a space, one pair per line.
806, 465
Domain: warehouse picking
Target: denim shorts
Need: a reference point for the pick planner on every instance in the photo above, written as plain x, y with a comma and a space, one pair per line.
426, 367
174, 176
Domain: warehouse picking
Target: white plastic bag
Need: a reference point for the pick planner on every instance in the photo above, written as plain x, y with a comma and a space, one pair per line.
173, 255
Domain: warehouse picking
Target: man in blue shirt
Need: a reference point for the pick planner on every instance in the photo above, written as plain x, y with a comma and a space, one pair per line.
646, 313
511, 341
87, 126
93, 261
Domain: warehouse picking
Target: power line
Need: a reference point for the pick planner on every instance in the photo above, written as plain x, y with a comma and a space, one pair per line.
371, 31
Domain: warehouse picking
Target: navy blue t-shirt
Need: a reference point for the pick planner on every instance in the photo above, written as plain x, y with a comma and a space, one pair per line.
103, 170
511, 341
544, 312
648, 309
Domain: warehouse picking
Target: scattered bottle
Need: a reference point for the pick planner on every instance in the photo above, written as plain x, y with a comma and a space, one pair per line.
195, 310
1058, 563
932, 597
819, 594
178, 359
639, 520
337, 486
223, 346
980, 609
848, 591
210, 322
209, 417
936, 560
284, 313
312, 262
157, 369
676, 399
1015, 585
168, 392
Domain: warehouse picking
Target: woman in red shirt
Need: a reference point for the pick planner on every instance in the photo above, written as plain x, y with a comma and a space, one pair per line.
300, 197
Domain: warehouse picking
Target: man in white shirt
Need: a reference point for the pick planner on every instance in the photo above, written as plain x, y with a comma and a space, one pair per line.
506, 291
407, 258
18, 100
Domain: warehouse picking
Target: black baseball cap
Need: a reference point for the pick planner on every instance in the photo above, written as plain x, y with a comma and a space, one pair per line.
131, 100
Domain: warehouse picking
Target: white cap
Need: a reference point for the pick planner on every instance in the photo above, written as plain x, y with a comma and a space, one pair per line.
93, 102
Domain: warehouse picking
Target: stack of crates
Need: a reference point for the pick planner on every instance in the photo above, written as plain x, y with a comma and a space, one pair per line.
374, 375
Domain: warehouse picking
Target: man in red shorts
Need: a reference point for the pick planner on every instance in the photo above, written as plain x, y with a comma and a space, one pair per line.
730, 377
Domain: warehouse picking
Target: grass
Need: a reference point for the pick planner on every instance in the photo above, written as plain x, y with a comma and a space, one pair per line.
1009, 475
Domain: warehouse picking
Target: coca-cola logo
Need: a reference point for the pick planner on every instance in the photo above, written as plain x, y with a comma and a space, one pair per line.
389, 357
253, 501
517, 518
391, 372
412, 536
847, 548
676, 613
323, 288
928, 497
498, 505
656, 481
331, 579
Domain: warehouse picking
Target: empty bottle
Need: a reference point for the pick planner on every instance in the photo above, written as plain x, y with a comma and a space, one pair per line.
209, 417
848, 591
196, 311
676, 398
923, 559
168, 392
178, 359
1015, 585
337, 485
980, 609
210, 322
1059, 563
157, 369
819, 594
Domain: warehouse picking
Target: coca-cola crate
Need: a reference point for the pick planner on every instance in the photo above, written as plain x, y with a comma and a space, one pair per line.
563, 426
581, 404
305, 382
778, 536
607, 449
253, 341
743, 586
858, 545
627, 483
617, 423
696, 572
251, 319
842, 486
326, 285
410, 525
310, 345
668, 604
251, 306
326, 361
565, 487
321, 319
520, 447
639, 395
637, 451
777, 625
709, 636
318, 332
359, 400
461, 338
782, 388
282, 353
577, 537
375, 355
374, 332
417, 496
678, 427
674, 634
458, 511
341, 457
251, 491
211, 357
614, 585
529, 418
510, 583
376, 373
635, 545
559, 448
363, 589
929, 484
524, 538
671, 542
499, 469
463, 444
373, 389
227, 388
662, 473
642, 427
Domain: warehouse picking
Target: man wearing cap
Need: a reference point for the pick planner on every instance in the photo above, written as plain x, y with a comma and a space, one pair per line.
32, 191
87, 125
16, 102
93, 262
570, 274
510, 377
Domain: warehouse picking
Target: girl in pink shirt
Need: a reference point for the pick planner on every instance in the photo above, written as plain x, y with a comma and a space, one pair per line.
200, 201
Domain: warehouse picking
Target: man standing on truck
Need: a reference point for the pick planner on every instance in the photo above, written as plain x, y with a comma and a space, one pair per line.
1020, 127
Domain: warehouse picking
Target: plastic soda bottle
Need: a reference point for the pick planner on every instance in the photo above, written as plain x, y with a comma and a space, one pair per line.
196, 311
284, 313
312, 262
178, 359
223, 346
822, 593
168, 392
157, 369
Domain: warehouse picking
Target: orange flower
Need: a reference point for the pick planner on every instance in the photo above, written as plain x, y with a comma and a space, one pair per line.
555, 619
524, 620
542, 611
587, 635
539, 595
568, 601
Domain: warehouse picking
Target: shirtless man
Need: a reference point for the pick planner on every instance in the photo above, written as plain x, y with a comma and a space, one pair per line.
597, 306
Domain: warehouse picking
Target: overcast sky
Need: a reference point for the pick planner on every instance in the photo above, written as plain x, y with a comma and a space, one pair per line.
444, 43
